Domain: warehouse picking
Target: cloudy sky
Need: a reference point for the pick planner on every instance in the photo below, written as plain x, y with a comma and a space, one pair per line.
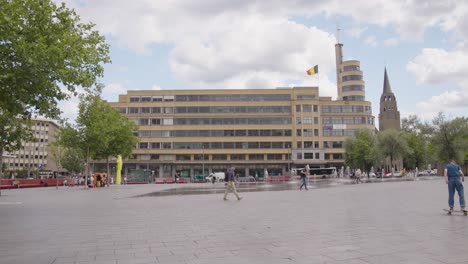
219, 44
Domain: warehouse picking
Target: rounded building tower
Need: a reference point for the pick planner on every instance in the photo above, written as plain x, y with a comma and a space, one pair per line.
351, 86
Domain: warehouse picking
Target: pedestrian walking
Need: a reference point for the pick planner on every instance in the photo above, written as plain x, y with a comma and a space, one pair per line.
452, 174
303, 179
231, 183
357, 174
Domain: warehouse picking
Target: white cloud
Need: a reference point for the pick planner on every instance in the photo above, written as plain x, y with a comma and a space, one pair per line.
156, 87
439, 66
69, 109
356, 32
371, 41
391, 42
449, 101
112, 91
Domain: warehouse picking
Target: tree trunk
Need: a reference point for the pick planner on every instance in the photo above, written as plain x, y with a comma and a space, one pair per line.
87, 168
1, 169
108, 173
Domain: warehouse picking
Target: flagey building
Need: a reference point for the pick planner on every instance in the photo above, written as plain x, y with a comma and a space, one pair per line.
196, 132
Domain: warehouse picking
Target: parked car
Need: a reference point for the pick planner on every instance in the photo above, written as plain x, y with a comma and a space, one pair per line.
372, 174
395, 174
219, 176
427, 173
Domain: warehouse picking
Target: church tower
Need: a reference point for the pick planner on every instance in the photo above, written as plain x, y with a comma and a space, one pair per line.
389, 117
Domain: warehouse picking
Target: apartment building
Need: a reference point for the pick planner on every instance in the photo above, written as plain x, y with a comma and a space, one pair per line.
35, 156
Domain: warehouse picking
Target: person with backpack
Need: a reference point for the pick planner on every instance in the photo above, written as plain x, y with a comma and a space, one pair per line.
230, 180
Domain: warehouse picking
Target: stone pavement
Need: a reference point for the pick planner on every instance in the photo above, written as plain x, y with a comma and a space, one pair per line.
392, 222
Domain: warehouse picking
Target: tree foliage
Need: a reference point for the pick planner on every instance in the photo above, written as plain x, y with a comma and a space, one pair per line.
43, 48
73, 160
450, 138
361, 150
100, 132
392, 144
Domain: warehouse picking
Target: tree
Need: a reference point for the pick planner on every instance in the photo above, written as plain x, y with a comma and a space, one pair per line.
45, 53
450, 138
361, 150
43, 48
417, 155
392, 144
100, 131
73, 160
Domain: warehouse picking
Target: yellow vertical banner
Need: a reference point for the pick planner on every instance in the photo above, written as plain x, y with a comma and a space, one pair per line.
118, 178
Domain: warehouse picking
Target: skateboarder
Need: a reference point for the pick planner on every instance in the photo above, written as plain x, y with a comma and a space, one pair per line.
452, 175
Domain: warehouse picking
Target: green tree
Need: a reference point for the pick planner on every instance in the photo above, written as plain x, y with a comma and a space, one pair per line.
45, 53
450, 138
361, 151
392, 144
44, 48
73, 160
100, 132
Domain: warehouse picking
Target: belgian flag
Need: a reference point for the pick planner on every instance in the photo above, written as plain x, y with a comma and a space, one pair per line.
313, 70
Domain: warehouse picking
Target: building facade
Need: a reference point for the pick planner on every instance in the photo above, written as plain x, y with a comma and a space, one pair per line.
196, 132
35, 156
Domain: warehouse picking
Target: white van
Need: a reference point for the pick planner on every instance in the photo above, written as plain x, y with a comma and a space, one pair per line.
219, 176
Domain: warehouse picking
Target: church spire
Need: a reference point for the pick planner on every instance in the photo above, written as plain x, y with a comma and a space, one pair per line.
386, 84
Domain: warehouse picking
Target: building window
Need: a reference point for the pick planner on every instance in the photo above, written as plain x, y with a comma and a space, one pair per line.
237, 157
274, 156
154, 156
167, 145
182, 157
298, 108
316, 132
219, 157
256, 157
143, 145
134, 99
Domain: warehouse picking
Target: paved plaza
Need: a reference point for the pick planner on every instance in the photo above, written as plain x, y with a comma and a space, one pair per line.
389, 222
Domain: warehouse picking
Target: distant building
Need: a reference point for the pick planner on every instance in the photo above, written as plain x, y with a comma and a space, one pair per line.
35, 156
389, 116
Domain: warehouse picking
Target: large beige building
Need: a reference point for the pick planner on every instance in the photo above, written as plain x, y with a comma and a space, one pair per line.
35, 156
196, 132
200, 131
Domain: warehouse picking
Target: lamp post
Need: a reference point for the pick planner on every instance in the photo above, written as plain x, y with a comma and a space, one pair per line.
203, 160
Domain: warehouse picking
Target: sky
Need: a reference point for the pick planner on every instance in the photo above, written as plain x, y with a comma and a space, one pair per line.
241, 44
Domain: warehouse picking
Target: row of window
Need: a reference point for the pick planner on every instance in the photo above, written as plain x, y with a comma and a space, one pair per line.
352, 78
346, 109
212, 98
347, 88
351, 68
306, 120
237, 145
206, 109
31, 156
339, 132
213, 133
20, 165
354, 98
344, 120
226, 157
307, 132
307, 108
213, 145
212, 121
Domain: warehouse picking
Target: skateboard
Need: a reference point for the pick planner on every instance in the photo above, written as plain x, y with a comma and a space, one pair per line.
455, 211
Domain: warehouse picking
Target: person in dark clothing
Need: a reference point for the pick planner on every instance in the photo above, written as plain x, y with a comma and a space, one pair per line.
304, 180
231, 184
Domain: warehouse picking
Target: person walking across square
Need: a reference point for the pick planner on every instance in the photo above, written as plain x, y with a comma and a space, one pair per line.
303, 179
231, 183
452, 174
